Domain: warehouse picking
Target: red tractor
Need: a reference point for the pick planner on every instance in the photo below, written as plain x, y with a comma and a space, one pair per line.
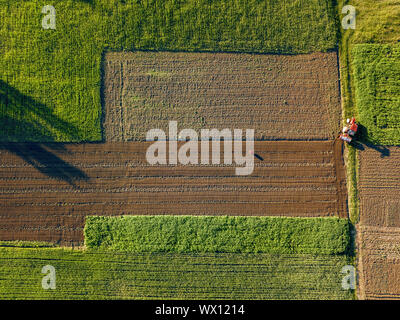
350, 130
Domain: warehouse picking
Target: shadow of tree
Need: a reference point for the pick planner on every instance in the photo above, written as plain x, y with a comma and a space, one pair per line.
43, 124
15, 109
39, 156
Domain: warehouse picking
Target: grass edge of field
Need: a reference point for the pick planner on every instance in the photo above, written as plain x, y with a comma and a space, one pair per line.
26, 244
348, 109
351, 156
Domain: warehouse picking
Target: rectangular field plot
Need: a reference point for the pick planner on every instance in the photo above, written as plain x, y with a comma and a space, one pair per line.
113, 275
379, 230
379, 186
280, 97
379, 262
209, 234
377, 84
46, 190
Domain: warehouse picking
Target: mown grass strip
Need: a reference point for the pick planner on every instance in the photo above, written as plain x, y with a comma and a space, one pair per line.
50, 80
218, 234
109, 275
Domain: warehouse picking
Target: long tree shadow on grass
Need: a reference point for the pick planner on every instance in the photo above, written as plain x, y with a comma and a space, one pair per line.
15, 109
363, 142
24, 119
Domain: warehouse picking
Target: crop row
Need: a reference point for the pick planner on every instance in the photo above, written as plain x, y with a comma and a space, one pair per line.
111, 275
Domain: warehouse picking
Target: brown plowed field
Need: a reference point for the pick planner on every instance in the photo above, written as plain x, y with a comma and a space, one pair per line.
46, 190
379, 227
282, 97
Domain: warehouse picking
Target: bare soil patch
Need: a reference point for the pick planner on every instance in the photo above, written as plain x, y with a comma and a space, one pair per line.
379, 228
282, 97
47, 198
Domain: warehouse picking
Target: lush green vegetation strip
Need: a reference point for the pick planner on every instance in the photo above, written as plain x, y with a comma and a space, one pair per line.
377, 91
218, 234
109, 275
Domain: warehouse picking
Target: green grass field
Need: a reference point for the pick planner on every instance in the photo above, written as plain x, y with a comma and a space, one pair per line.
186, 234
377, 91
110, 275
50, 80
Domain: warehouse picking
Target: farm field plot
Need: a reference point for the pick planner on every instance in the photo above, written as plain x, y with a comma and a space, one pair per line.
379, 187
379, 265
52, 78
46, 190
377, 91
379, 228
282, 97
210, 234
113, 275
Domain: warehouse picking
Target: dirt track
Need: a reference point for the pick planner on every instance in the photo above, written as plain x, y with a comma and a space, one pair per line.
379, 227
281, 97
47, 190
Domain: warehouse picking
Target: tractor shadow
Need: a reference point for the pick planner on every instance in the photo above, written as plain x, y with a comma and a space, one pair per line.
15, 110
363, 142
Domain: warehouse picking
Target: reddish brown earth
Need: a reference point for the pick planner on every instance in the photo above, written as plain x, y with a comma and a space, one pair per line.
379, 227
281, 97
46, 190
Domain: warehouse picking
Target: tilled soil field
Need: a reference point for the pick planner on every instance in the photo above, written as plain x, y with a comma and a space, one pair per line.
379, 228
46, 190
282, 97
